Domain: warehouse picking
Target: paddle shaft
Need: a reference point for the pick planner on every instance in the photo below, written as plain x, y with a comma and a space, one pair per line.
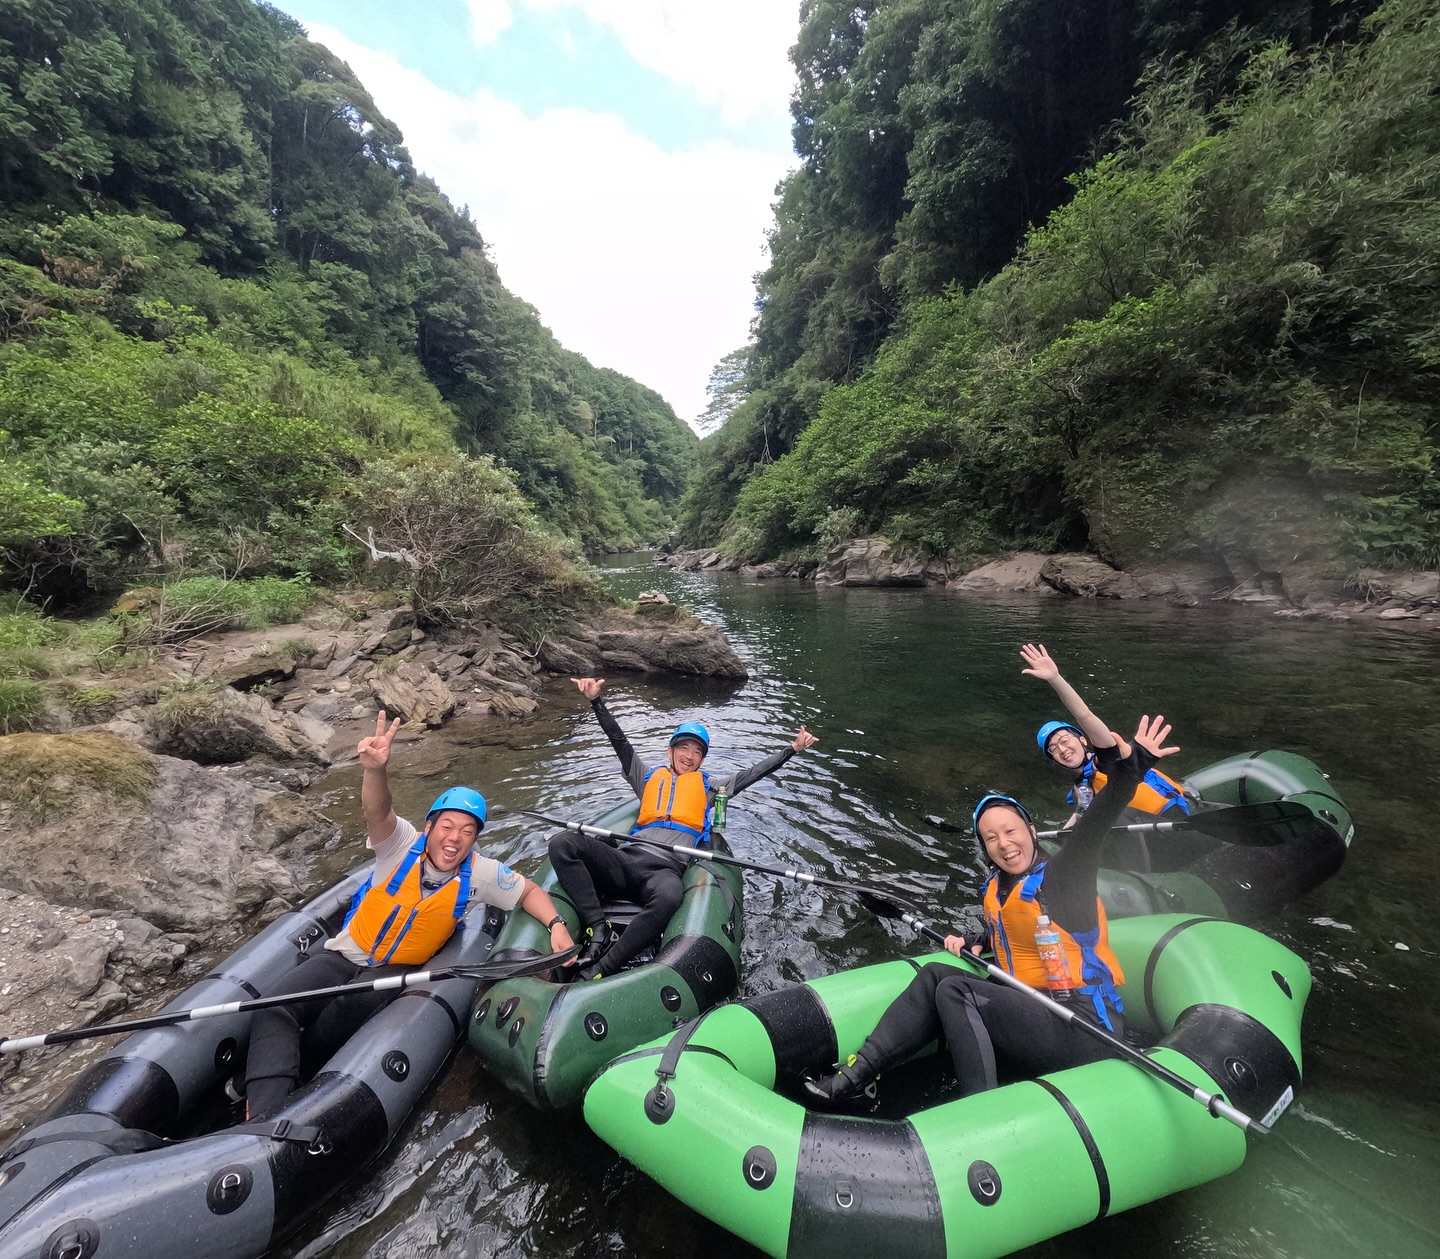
1215, 1104
685, 850
389, 983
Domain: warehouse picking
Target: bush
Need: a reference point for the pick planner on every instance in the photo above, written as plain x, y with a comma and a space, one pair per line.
201, 605
40, 772
469, 542
22, 704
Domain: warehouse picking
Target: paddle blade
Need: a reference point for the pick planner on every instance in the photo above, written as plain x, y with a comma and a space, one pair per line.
1264, 824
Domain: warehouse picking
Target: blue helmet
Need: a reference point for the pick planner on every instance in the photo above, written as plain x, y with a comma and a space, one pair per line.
691, 730
462, 800
989, 800
1042, 736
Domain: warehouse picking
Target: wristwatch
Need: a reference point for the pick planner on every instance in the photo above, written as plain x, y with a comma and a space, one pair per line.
556, 921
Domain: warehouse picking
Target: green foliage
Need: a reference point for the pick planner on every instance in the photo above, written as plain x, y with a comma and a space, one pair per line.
934, 134
225, 292
1224, 344
91, 704
22, 705
197, 605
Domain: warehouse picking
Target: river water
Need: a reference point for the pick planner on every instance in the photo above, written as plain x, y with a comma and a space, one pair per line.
919, 704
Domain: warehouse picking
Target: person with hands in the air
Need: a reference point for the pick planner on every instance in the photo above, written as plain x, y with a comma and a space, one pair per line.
987, 1026
676, 807
417, 893
1086, 747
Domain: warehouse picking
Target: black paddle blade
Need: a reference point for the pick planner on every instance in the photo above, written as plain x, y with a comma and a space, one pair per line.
1264, 824
882, 906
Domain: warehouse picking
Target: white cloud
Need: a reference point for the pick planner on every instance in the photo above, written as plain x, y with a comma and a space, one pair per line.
733, 54
489, 19
640, 258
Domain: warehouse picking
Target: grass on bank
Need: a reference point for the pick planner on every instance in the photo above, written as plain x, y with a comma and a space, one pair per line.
39, 773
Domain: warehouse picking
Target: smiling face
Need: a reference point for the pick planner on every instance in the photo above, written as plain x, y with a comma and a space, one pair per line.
449, 837
1067, 748
686, 755
1008, 838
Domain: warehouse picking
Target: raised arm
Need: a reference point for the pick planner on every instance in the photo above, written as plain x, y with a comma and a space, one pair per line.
1071, 874
373, 752
1043, 667
629, 764
737, 782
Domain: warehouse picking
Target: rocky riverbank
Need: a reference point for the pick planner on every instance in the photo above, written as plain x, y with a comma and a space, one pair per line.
1411, 599
153, 841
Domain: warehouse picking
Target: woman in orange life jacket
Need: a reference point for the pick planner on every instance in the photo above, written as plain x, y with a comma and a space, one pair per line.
675, 804
418, 891
991, 1029
1087, 745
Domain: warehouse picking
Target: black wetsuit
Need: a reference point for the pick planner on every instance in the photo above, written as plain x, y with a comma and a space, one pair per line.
987, 1026
589, 869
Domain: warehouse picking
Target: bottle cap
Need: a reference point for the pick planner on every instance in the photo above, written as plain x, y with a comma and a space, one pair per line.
1044, 921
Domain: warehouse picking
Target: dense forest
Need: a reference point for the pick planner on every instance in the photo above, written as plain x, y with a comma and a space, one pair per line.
1152, 278
233, 316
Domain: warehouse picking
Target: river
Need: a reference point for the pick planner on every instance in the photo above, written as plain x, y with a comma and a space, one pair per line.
919, 704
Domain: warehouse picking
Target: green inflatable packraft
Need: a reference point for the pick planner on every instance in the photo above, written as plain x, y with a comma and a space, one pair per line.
979, 1176
547, 1040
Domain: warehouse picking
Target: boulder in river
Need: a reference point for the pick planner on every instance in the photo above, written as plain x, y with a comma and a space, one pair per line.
1020, 573
1089, 577
870, 562
414, 693
676, 642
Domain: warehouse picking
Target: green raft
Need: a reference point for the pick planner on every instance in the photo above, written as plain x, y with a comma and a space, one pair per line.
547, 1040
978, 1176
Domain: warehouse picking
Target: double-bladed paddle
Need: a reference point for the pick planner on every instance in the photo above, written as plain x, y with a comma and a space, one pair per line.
1264, 824
483, 970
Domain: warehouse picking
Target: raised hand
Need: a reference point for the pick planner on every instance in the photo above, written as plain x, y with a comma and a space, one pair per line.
589, 687
1151, 734
804, 740
1041, 666
374, 750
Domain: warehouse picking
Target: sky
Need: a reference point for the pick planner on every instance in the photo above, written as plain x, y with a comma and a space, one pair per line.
619, 157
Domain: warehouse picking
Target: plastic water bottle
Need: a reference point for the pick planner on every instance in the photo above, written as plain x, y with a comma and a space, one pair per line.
1052, 955
718, 816
1084, 796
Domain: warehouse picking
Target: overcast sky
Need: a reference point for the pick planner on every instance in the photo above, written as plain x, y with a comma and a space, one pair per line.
618, 156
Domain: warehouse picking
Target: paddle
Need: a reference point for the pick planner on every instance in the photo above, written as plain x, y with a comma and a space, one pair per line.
613, 838
484, 970
1216, 1105
1259, 825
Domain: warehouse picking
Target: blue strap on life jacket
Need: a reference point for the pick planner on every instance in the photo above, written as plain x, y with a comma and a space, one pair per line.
1099, 983
1162, 786
702, 836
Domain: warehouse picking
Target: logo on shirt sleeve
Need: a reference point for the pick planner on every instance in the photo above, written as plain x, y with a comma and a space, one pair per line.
505, 878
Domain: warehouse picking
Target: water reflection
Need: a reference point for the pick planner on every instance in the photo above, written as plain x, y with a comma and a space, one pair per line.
919, 702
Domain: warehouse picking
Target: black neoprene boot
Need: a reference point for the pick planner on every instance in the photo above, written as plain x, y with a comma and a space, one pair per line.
845, 1084
594, 944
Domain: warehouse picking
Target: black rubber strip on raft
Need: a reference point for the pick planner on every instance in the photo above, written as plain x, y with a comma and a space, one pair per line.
1241, 793
352, 1120
1160, 946
800, 1030
1102, 1177
863, 1188
135, 1092
237, 981
704, 965
1243, 1056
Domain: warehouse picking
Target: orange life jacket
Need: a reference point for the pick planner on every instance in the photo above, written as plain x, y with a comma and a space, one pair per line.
677, 802
1088, 955
399, 922
1155, 794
